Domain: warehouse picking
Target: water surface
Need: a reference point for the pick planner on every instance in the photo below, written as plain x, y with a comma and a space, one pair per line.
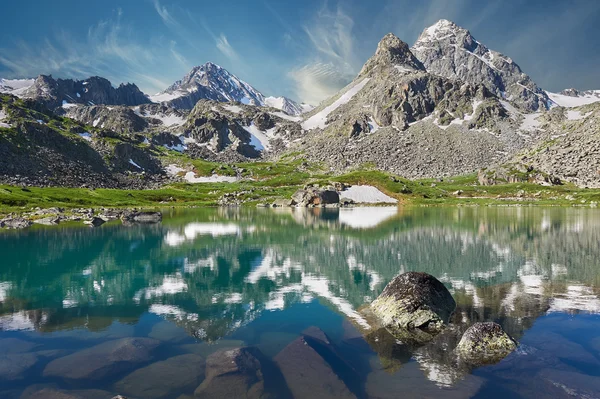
207, 280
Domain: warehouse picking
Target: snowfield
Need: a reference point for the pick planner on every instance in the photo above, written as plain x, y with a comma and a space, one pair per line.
319, 120
367, 195
570, 102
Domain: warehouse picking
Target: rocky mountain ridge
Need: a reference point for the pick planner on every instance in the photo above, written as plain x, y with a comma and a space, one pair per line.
212, 82
448, 50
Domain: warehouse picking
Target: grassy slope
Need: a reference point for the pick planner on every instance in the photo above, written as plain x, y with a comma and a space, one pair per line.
280, 180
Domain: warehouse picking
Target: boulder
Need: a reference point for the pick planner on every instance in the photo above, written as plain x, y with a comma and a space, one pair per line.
95, 222
48, 221
485, 343
312, 368
103, 360
15, 223
165, 378
414, 306
235, 373
142, 217
282, 203
313, 196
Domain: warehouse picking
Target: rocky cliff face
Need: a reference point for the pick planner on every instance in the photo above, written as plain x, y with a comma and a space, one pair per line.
448, 50
401, 118
62, 93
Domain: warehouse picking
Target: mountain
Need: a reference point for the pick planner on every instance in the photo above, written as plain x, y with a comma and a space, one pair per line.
399, 117
450, 51
57, 94
212, 82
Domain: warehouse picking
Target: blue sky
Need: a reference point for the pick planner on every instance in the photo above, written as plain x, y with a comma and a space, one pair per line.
305, 49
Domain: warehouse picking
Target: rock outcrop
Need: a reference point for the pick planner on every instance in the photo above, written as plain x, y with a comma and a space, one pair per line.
485, 343
414, 306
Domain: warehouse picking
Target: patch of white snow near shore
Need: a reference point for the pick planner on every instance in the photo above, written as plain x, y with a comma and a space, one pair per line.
190, 177
367, 195
366, 218
319, 119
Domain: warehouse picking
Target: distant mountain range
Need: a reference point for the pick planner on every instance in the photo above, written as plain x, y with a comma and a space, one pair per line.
446, 106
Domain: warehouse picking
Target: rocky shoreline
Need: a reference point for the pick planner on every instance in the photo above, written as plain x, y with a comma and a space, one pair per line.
88, 216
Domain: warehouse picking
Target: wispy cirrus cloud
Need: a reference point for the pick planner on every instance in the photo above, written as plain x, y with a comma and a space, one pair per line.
109, 49
333, 62
225, 47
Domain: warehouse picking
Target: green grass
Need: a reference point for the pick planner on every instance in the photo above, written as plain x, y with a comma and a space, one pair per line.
272, 181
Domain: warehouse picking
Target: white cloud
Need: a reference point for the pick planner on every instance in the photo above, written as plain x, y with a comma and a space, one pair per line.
110, 49
333, 61
318, 81
165, 15
226, 48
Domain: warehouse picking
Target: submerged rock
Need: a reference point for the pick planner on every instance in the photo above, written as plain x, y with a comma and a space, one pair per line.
312, 368
102, 361
165, 378
485, 343
52, 392
235, 373
14, 366
414, 306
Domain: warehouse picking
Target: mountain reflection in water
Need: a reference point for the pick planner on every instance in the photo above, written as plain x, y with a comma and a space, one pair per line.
260, 277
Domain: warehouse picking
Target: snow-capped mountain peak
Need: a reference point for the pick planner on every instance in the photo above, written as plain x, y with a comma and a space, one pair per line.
213, 82
448, 50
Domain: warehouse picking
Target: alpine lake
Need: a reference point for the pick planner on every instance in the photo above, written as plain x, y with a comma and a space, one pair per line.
158, 311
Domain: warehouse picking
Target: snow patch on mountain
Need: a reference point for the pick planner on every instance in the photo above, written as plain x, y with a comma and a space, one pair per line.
319, 120
15, 87
584, 98
259, 139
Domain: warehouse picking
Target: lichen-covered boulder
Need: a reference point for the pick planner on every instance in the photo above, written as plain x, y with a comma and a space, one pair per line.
485, 343
414, 306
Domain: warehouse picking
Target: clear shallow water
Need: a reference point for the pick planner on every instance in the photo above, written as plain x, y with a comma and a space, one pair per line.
206, 280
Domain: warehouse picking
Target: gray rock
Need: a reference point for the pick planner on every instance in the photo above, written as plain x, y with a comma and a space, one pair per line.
48, 221
485, 343
142, 217
14, 366
15, 223
104, 360
165, 378
95, 222
233, 373
448, 50
414, 306
306, 370
313, 196
53, 392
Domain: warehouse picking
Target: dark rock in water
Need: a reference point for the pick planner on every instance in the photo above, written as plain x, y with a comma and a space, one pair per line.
15, 223
311, 368
414, 306
104, 360
14, 366
165, 378
52, 392
392, 354
485, 343
142, 217
235, 373
95, 222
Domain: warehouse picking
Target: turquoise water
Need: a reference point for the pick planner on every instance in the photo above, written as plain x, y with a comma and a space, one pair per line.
214, 279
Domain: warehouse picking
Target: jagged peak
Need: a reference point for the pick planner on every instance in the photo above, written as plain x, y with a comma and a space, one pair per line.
391, 51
